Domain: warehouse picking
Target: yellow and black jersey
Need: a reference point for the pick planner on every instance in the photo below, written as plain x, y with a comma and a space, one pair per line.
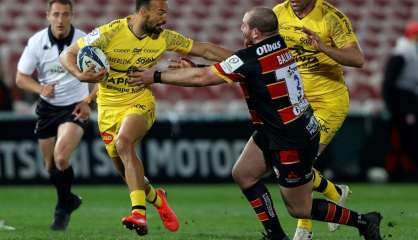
273, 89
320, 73
124, 52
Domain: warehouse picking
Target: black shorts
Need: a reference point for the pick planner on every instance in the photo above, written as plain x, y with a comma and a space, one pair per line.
292, 165
50, 117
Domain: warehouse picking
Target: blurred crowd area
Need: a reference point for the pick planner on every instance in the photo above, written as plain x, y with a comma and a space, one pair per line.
377, 23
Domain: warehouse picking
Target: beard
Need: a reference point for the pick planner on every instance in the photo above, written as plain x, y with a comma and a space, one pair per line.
150, 29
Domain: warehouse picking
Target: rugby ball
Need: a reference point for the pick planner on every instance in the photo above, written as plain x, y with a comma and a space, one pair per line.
89, 55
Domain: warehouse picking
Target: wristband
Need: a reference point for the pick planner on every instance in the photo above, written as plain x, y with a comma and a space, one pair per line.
157, 77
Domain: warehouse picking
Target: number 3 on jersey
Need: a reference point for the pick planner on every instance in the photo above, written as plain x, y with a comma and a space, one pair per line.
294, 86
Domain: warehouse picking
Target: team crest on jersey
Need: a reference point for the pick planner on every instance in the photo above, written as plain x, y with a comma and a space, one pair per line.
231, 64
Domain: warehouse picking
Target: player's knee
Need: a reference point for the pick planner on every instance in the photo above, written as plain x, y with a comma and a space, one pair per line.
123, 145
237, 176
62, 162
242, 179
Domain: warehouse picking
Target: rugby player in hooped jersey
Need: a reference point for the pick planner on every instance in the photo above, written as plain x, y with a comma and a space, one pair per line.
321, 39
126, 113
286, 136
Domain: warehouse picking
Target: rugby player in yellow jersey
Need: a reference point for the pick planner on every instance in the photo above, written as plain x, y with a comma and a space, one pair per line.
126, 113
321, 39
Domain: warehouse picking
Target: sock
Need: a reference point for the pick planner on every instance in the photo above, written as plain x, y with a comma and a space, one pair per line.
63, 181
260, 199
324, 186
305, 223
153, 198
326, 211
138, 201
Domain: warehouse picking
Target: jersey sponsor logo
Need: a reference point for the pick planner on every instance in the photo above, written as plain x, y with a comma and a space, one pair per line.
300, 107
312, 126
118, 60
56, 69
117, 81
147, 50
267, 48
145, 60
117, 50
107, 137
284, 58
92, 37
231, 64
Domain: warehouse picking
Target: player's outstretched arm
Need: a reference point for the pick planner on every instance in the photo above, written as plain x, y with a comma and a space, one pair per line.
350, 55
187, 77
210, 51
68, 59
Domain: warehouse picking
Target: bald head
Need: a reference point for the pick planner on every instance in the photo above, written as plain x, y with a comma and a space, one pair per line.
263, 19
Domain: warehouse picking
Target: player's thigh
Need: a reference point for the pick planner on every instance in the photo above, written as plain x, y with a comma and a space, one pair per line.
68, 137
331, 113
133, 128
137, 120
47, 146
250, 166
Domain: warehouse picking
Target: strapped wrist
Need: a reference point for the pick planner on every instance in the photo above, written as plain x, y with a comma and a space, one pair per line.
157, 77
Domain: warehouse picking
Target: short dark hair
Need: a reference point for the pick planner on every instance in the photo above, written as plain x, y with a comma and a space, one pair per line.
141, 3
264, 19
64, 2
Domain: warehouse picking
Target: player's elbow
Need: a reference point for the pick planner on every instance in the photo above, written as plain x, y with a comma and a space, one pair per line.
20, 81
359, 62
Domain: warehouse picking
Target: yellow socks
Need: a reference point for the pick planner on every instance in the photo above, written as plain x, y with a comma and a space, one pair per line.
324, 186
305, 223
138, 201
153, 198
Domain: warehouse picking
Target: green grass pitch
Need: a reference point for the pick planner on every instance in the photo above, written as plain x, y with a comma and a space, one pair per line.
205, 211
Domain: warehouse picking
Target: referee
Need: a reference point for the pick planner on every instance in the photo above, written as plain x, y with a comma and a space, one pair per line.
63, 107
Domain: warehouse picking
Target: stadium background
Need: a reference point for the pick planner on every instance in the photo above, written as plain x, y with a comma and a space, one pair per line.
199, 134
205, 128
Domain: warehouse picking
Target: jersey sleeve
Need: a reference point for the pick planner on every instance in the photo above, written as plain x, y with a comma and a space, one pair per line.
340, 29
28, 60
230, 69
177, 42
100, 36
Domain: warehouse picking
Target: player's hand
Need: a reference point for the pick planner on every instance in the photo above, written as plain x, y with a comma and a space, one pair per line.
81, 111
48, 90
91, 76
141, 79
176, 63
314, 38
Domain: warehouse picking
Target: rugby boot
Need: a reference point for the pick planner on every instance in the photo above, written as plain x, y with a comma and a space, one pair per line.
62, 214
167, 214
137, 222
371, 231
